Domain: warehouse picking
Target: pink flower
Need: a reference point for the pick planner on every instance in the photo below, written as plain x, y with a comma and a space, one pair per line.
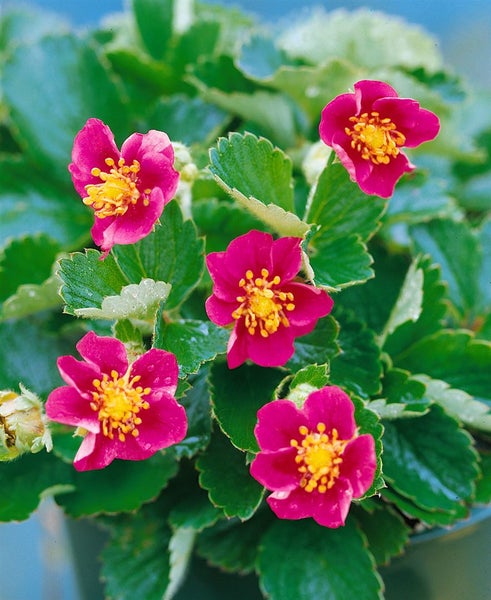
254, 288
126, 410
127, 190
367, 130
313, 459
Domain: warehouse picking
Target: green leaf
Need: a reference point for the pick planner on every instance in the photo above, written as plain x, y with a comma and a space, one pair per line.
237, 395
322, 35
189, 120
431, 518
194, 511
232, 545
459, 404
135, 301
219, 77
260, 58
269, 114
87, 280
199, 40
385, 529
36, 204
123, 486
181, 547
25, 268
317, 347
358, 366
409, 303
222, 222
172, 253
484, 236
26, 260
136, 561
193, 342
341, 208
196, 402
189, 505
26, 480
483, 487
300, 560
224, 474
430, 319
145, 77
306, 381
312, 86
420, 199
30, 299
29, 354
373, 301
27, 23
131, 336
456, 249
347, 218
368, 421
70, 76
254, 169
435, 476
257, 175
454, 356
402, 396
154, 21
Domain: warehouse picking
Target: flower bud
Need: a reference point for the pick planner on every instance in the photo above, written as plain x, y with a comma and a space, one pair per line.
315, 161
23, 426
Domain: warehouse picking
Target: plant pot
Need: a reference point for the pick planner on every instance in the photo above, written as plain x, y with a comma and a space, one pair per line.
444, 564
441, 564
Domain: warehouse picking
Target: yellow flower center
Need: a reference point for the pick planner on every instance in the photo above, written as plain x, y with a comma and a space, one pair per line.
263, 307
374, 138
117, 191
319, 456
118, 402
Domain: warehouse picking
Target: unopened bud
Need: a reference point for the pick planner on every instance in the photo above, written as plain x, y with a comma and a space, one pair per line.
188, 173
23, 425
315, 161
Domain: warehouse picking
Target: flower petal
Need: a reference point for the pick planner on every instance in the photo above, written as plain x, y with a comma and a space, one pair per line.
273, 351
286, 256
331, 508
65, 405
360, 464
335, 117
293, 505
381, 179
417, 124
367, 91
333, 407
158, 370
78, 374
278, 424
107, 353
163, 424
276, 470
219, 311
94, 454
310, 305
140, 146
237, 350
249, 251
92, 145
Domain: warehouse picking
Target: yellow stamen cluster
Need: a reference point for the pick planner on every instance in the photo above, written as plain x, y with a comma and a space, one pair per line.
262, 306
118, 190
319, 456
118, 402
374, 138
